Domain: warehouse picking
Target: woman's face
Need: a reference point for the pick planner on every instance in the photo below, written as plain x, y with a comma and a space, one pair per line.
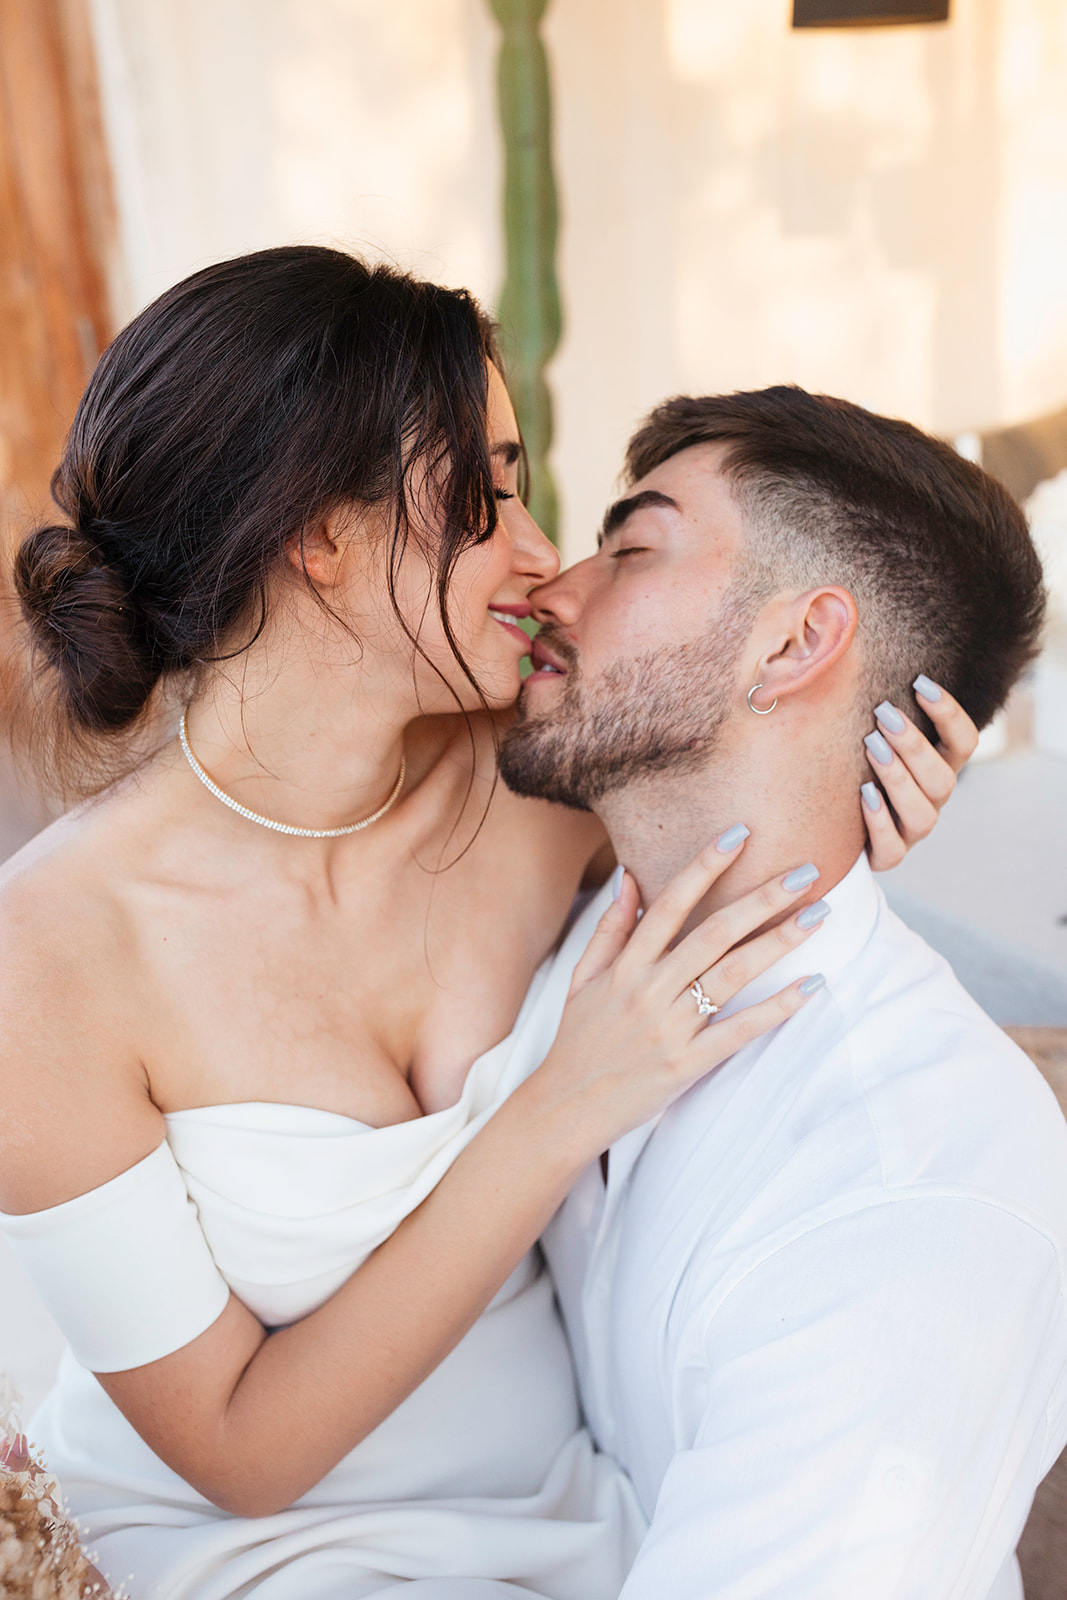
487, 593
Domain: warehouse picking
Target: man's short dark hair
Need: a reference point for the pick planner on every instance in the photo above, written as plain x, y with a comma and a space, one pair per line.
936, 553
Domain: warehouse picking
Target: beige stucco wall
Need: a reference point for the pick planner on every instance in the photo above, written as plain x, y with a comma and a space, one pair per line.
238, 124
876, 213
880, 213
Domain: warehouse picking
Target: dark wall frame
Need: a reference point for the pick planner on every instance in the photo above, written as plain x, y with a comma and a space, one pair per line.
867, 13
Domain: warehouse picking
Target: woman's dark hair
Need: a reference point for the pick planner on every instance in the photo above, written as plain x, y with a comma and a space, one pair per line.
228, 416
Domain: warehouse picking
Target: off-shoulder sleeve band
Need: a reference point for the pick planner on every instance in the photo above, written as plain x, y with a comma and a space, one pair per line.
125, 1270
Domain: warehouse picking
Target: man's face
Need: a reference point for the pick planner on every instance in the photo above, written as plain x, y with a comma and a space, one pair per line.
637, 662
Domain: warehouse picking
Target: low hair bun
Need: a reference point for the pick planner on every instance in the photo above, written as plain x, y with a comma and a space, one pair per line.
85, 626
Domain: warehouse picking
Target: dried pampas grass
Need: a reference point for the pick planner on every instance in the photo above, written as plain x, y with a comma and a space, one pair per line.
41, 1555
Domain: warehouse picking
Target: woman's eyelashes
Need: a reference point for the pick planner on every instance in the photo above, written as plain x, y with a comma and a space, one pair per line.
504, 494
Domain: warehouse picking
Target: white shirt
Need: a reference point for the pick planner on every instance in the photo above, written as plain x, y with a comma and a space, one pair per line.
819, 1313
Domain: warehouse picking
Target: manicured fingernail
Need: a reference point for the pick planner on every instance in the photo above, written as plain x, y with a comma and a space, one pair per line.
800, 877
889, 717
813, 984
731, 838
616, 881
926, 688
812, 915
879, 749
872, 799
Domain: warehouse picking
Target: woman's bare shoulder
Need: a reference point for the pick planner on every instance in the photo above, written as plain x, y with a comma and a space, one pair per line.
74, 1107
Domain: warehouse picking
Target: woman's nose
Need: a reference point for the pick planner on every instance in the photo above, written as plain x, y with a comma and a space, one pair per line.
534, 555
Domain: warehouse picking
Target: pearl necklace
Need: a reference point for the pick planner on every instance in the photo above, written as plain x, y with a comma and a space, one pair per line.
286, 827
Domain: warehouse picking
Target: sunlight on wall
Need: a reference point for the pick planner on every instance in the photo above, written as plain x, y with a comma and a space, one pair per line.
237, 124
879, 213
1033, 244
876, 213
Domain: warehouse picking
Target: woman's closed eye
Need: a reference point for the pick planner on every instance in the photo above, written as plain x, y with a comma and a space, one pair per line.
503, 494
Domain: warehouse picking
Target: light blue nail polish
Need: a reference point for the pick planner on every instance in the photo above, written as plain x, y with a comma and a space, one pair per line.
800, 877
869, 791
926, 688
616, 881
879, 749
889, 717
813, 984
731, 838
812, 915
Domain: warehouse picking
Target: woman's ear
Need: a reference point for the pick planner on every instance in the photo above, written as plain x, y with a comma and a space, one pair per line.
813, 632
319, 549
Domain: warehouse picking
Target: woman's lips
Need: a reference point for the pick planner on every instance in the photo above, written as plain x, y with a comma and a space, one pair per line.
506, 616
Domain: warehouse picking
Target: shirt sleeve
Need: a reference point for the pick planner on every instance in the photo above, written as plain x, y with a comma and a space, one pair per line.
866, 1413
125, 1269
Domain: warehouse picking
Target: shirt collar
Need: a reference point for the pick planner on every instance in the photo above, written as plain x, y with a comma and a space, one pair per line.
855, 902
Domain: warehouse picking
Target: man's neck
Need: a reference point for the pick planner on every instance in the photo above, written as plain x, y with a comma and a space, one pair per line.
659, 824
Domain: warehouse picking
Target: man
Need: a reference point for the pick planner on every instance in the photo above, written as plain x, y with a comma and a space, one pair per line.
818, 1308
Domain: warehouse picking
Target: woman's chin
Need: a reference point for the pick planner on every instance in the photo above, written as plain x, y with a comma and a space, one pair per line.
497, 690
501, 692
499, 683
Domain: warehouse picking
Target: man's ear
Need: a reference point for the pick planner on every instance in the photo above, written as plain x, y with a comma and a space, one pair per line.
808, 635
320, 549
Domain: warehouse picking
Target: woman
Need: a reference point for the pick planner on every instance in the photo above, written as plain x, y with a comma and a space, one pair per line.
277, 967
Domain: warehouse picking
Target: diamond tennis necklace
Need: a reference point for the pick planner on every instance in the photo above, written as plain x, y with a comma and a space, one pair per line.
286, 827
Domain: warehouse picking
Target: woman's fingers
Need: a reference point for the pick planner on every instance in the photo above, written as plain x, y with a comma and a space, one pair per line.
611, 933
915, 777
729, 1035
885, 846
631, 1037
915, 812
665, 916
957, 733
934, 777
724, 1038
722, 932
740, 965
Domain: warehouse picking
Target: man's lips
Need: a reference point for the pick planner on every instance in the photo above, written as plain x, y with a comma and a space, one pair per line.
546, 663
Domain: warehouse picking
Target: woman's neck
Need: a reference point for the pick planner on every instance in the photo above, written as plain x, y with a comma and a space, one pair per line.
303, 742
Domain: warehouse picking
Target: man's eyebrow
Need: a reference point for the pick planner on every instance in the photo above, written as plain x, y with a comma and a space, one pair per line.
616, 515
508, 451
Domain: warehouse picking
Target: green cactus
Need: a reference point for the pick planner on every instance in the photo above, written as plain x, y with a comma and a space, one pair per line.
529, 306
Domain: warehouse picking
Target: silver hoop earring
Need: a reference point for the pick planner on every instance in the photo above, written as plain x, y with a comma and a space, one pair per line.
756, 709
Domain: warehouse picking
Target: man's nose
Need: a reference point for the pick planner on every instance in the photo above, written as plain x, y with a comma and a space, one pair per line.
561, 601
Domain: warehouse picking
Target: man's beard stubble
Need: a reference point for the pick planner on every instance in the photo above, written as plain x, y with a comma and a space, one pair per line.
661, 712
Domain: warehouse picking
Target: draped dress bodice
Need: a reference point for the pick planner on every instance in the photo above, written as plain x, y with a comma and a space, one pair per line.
482, 1478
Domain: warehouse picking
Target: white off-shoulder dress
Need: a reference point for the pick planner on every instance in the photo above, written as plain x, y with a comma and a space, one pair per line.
482, 1485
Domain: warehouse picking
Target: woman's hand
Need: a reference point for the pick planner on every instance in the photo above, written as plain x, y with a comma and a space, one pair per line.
916, 777
632, 1037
